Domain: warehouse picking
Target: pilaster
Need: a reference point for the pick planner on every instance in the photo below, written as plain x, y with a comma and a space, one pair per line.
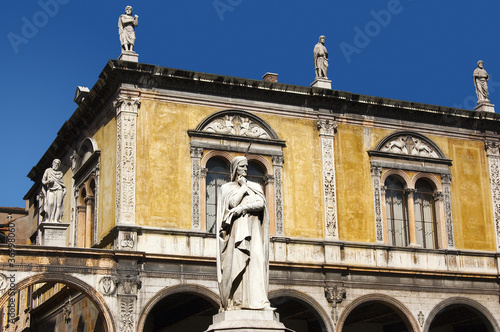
327, 134
126, 158
278, 194
196, 174
377, 202
446, 182
493, 155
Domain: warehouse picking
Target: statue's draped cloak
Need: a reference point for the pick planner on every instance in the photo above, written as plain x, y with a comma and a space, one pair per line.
242, 250
126, 29
320, 60
480, 81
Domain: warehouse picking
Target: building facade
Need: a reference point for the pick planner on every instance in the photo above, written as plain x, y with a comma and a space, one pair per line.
384, 214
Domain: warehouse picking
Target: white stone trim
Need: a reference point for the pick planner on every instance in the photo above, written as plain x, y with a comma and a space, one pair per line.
446, 182
493, 155
196, 154
327, 133
126, 157
278, 195
377, 203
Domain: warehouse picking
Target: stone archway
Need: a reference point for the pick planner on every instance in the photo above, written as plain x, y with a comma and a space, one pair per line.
461, 312
184, 303
73, 282
376, 309
299, 311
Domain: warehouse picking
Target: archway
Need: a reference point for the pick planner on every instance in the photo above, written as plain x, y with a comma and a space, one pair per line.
179, 308
460, 315
376, 313
53, 301
299, 312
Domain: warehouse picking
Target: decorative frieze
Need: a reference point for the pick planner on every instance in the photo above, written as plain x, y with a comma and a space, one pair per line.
493, 154
446, 182
128, 287
326, 132
107, 285
196, 175
377, 202
235, 124
409, 145
126, 141
278, 194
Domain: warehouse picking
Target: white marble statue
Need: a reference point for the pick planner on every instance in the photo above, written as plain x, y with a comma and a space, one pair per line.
126, 29
54, 191
481, 83
242, 242
321, 58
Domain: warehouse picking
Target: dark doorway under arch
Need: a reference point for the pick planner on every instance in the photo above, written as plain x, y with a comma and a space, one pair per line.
181, 312
375, 316
460, 318
298, 315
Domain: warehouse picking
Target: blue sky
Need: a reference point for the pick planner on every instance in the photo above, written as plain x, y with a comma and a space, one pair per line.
416, 50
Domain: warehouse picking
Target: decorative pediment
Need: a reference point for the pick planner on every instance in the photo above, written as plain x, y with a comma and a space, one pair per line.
410, 144
236, 125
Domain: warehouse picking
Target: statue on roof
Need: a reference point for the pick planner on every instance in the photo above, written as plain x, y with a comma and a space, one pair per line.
481, 83
126, 29
321, 58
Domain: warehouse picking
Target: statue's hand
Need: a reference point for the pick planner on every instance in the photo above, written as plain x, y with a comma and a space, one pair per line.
239, 210
242, 181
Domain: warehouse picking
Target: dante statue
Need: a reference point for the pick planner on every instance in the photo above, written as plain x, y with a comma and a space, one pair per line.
54, 191
481, 83
242, 242
126, 29
321, 58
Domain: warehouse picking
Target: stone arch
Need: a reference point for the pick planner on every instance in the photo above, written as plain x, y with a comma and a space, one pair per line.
428, 176
215, 153
202, 291
306, 299
263, 161
394, 304
465, 301
78, 284
397, 172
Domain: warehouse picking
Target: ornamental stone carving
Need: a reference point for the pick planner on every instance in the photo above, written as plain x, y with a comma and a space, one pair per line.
326, 132
278, 194
126, 118
107, 285
236, 125
409, 145
446, 181
377, 191
196, 174
493, 154
335, 294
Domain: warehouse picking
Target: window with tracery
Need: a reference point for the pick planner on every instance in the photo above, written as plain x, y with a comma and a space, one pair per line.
396, 206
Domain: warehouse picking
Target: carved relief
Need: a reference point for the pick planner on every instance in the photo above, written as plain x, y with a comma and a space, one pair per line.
126, 110
67, 312
196, 154
376, 172
127, 321
446, 181
278, 195
335, 294
236, 125
107, 285
407, 144
4, 283
493, 153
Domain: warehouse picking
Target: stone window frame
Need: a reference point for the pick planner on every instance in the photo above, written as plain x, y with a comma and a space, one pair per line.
430, 164
224, 142
85, 165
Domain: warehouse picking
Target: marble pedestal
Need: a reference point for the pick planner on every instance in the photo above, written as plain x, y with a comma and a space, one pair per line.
486, 107
247, 321
129, 56
53, 234
321, 83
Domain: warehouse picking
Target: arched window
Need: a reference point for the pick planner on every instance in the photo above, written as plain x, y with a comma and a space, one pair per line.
256, 173
397, 212
217, 175
425, 214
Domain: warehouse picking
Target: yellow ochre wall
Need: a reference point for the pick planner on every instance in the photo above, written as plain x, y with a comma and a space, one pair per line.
105, 138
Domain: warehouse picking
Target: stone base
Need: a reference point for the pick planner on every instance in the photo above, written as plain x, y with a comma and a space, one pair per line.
129, 56
322, 83
53, 234
485, 108
247, 321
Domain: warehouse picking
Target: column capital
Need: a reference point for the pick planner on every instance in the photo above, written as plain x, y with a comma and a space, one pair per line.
492, 148
126, 104
327, 127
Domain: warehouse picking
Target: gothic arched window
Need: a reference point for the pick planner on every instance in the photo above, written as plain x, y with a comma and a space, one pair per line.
425, 214
217, 175
397, 212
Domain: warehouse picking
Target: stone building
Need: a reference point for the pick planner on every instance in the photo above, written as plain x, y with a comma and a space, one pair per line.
384, 214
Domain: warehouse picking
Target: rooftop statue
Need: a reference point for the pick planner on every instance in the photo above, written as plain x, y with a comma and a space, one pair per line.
242, 242
321, 58
481, 83
126, 29
54, 191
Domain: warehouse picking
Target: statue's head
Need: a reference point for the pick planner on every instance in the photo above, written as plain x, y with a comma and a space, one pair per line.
480, 63
238, 167
128, 10
55, 164
322, 39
